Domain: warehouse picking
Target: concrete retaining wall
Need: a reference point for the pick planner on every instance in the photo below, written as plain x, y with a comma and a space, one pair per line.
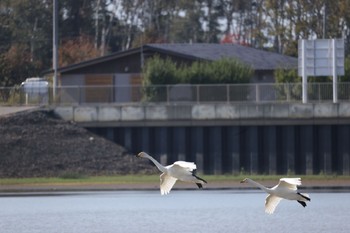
166, 114
227, 138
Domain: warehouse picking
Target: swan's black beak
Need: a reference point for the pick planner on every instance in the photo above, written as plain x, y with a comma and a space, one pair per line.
242, 181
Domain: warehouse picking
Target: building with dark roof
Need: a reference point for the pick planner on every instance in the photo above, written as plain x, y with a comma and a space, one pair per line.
124, 68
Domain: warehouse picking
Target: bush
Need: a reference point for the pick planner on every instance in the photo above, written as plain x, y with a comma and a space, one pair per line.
158, 72
231, 71
224, 71
287, 92
166, 72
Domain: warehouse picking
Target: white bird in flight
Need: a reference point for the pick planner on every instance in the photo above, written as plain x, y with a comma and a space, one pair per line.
180, 170
285, 189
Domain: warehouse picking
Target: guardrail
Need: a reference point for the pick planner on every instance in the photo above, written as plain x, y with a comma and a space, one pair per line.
232, 93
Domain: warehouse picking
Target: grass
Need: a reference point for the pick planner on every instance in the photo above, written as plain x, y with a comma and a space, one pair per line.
73, 179
70, 180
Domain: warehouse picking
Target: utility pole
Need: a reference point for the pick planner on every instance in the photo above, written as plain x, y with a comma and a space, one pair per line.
324, 21
55, 46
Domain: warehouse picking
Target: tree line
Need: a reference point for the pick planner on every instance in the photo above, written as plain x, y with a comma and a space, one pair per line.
92, 28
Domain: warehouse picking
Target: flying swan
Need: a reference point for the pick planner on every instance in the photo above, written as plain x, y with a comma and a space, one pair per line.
180, 170
285, 189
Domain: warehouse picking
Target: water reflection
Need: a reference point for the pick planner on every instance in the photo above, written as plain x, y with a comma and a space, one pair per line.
181, 211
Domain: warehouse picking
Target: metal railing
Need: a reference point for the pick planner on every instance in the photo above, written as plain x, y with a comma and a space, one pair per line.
180, 93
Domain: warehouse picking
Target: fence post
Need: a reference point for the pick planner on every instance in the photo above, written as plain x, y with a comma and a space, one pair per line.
257, 93
304, 72
167, 93
79, 92
228, 92
197, 94
334, 71
288, 91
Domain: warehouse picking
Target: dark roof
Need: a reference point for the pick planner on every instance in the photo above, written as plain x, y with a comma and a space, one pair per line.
95, 61
258, 59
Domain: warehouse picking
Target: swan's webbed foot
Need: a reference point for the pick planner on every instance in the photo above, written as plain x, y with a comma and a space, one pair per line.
302, 203
193, 174
199, 185
307, 198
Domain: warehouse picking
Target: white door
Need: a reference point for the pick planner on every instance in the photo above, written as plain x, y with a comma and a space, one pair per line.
122, 88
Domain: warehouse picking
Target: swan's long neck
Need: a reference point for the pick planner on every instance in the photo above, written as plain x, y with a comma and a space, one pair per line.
250, 181
159, 166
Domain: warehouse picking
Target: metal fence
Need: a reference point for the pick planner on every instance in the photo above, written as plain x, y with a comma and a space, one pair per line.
180, 93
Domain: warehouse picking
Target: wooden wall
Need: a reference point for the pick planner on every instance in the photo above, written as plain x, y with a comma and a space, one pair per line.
99, 88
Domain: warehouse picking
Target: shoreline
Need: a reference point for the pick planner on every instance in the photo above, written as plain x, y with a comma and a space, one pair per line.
309, 185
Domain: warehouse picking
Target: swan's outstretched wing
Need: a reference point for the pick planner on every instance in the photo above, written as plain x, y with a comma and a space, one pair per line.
290, 183
189, 166
182, 171
271, 203
166, 183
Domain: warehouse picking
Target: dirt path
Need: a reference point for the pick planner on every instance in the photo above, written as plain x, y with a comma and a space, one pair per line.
329, 184
5, 110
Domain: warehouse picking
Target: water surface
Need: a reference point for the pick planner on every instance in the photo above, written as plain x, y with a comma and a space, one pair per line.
181, 211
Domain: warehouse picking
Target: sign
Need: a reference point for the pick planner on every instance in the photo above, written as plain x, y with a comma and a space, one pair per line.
321, 57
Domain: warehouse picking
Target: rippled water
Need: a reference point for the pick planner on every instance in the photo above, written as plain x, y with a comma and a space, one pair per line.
181, 211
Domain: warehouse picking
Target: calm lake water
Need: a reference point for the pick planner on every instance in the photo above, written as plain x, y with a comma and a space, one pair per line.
180, 212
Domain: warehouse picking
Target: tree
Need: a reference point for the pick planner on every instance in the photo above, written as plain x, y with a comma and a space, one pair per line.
115, 25
16, 66
209, 20
26, 23
187, 27
239, 20
76, 18
125, 27
163, 21
5, 31
77, 50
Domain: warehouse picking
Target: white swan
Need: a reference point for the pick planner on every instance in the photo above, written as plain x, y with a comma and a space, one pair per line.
180, 170
285, 189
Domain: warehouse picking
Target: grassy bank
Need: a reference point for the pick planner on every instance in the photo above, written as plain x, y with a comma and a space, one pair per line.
145, 179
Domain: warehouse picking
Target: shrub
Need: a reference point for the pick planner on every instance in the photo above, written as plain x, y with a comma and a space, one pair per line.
158, 72
166, 72
287, 91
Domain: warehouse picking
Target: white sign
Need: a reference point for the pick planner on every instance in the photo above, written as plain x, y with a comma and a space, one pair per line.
320, 58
